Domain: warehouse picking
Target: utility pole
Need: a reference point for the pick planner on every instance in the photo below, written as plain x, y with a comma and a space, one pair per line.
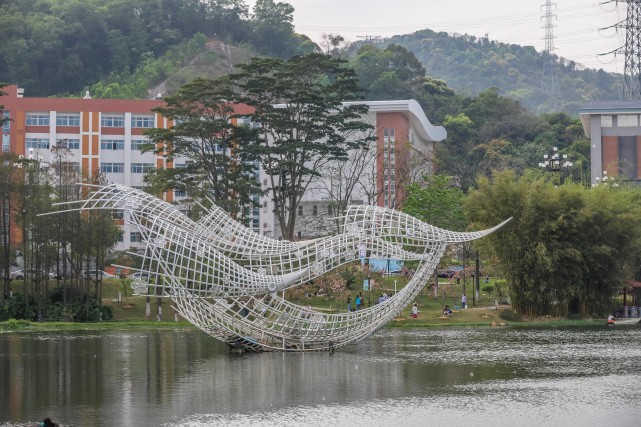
550, 79
631, 49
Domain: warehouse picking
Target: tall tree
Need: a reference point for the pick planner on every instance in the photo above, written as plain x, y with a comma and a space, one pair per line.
274, 28
343, 182
304, 123
437, 201
206, 132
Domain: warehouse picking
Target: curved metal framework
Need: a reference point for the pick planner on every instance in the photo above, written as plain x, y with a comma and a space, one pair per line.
224, 278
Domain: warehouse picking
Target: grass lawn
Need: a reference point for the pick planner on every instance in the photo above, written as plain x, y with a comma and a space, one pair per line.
130, 311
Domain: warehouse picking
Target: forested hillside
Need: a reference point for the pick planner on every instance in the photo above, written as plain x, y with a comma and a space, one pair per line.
469, 65
125, 48
53, 47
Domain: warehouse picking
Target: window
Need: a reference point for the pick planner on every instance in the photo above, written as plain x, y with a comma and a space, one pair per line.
5, 143
141, 167
314, 210
112, 121
118, 214
72, 144
6, 126
68, 120
112, 144
179, 165
120, 238
627, 120
112, 167
142, 121
180, 193
606, 121
135, 237
37, 119
300, 210
137, 143
36, 143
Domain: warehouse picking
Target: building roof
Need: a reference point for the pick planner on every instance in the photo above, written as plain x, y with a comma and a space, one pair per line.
415, 114
610, 106
592, 108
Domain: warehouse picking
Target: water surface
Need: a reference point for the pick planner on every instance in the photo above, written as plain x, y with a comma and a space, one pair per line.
457, 377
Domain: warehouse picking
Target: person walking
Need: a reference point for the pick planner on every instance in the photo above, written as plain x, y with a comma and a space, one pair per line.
414, 311
463, 302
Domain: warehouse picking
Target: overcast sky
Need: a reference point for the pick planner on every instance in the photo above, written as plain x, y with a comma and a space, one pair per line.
576, 31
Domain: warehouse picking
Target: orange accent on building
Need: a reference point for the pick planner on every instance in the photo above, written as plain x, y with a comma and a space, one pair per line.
67, 129
36, 129
18, 123
85, 145
400, 143
95, 145
114, 131
84, 122
610, 154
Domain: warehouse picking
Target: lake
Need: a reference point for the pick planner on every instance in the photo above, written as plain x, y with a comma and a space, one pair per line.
587, 376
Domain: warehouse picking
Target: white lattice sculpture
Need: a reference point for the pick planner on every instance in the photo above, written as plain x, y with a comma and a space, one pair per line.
224, 278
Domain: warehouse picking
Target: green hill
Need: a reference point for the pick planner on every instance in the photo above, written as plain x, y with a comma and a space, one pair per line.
469, 65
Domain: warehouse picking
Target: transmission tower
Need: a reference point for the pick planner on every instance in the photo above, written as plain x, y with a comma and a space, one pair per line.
550, 79
632, 50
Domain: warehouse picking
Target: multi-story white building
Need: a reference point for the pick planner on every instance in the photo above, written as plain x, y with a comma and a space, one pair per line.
104, 135
402, 151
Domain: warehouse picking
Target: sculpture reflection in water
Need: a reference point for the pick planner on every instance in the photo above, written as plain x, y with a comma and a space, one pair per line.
225, 279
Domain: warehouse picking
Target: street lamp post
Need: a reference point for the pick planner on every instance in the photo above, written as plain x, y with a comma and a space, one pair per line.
556, 162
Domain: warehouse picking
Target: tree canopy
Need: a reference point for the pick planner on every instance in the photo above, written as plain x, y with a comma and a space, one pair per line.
207, 134
64, 46
303, 122
568, 248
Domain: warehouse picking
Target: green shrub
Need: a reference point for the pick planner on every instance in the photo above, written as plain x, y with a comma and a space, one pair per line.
510, 315
17, 324
488, 289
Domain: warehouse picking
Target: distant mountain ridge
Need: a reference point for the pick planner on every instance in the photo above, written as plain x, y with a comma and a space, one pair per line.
469, 65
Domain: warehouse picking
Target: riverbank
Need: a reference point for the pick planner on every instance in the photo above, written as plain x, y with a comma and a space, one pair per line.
461, 321
130, 313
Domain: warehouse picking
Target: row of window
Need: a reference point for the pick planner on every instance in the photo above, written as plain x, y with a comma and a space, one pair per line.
119, 144
74, 144
623, 120
120, 167
106, 120
43, 143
